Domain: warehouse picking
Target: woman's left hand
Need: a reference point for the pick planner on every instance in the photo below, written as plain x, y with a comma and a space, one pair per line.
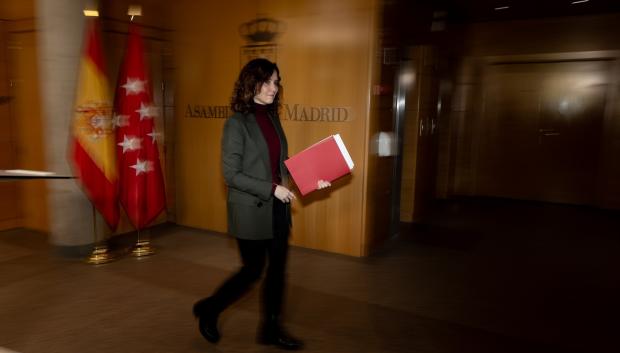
322, 184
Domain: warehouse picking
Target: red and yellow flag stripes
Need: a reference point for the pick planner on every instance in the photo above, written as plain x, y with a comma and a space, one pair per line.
94, 152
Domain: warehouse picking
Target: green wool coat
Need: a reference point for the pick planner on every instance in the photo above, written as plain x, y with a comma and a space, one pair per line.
247, 172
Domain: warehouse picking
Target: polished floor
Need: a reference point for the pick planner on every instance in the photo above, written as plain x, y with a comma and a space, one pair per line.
480, 276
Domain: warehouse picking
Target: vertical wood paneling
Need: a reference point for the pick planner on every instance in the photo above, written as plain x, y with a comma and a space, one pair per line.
419, 137
10, 213
324, 55
25, 111
526, 42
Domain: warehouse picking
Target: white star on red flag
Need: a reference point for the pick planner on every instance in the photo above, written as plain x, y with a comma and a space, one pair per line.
154, 136
141, 181
133, 86
130, 143
142, 166
147, 111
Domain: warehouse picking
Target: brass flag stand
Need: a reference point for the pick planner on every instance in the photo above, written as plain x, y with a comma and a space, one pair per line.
101, 253
143, 246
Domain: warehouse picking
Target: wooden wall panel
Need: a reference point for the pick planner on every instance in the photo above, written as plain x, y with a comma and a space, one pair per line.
25, 111
608, 182
17, 9
20, 202
419, 137
324, 53
380, 169
9, 198
325, 58
532, 41
547, 35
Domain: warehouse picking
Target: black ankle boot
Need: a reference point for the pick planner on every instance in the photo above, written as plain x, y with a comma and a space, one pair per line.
272, 333
207, 320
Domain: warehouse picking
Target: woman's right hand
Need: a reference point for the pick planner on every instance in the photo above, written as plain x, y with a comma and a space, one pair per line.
283, 194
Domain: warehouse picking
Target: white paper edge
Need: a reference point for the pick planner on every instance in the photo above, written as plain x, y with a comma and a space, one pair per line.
343, 150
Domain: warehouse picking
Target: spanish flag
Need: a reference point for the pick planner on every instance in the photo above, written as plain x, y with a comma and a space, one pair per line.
93, 147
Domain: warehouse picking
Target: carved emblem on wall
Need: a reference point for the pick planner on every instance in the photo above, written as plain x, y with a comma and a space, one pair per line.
260, 34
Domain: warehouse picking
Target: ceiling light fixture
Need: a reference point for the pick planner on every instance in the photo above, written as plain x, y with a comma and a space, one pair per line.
502, 8
91, 13
579, 2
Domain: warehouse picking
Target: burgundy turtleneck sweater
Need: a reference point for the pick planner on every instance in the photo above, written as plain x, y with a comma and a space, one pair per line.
273, 142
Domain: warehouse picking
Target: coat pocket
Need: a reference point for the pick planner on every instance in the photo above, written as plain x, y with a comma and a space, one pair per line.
250, 221
243, 198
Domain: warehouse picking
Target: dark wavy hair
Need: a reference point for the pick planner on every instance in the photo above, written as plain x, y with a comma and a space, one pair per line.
252, 76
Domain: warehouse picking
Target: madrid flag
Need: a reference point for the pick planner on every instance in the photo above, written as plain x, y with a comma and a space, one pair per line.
141, 180
93, 141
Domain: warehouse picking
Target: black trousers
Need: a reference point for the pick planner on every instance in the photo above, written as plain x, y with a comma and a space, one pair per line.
254, 254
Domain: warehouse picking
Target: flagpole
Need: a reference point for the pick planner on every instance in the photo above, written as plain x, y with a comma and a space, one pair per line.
100, 254
143, 244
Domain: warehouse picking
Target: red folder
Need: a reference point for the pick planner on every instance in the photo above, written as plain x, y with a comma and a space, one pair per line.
327, 159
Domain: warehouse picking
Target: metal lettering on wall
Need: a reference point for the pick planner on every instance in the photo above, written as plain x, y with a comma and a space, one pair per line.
207, 111
290, 112
298, 112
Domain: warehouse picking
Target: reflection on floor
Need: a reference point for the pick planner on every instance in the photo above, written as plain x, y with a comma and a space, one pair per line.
480, 276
